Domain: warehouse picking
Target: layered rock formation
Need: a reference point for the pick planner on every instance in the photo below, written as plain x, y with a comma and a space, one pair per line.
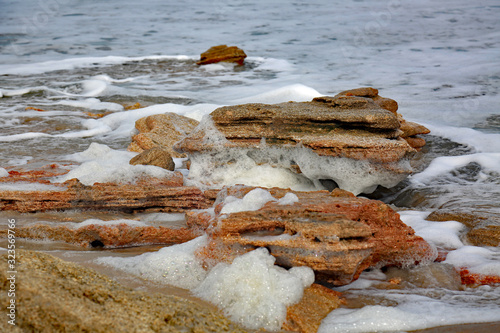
161, 130
356, 141
224, 53
57, 296
336, 234
106, 235
147, 194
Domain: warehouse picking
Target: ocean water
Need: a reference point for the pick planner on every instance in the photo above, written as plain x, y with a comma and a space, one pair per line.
69, 70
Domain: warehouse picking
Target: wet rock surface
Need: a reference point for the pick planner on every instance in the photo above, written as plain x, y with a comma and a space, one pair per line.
57, 296
484, 228
318, 301
147, 194
106, 236
336, 234
161, 130
223, 53
156, 156
362, 130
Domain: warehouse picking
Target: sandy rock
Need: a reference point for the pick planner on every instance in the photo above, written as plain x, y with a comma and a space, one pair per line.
147, 194
372, 93
222, 53
157, 156
106, 236
317, 302
336, 234
57, 296
161, 130
300, 137
409, 129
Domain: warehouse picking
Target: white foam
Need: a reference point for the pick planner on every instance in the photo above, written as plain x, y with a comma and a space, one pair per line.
23, 136
441, 234
221, 66
416, 313
4, 173
294, 92
481, 142
102, 164
73, 63
270, 167
445, 164
175, 265
132, 223
253, 291
20, 161
288, 199
92, 104
28, 187
253, 200
477, 260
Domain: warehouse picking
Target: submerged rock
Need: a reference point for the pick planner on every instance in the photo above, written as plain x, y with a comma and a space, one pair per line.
224, 53
336, 234
484, 228
161, 130
348, 139
57, 296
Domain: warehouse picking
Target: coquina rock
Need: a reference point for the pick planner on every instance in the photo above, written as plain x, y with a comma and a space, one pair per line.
354, 139
146, 194
335, 233
52, 295
156, 156
106, 235
224, 53
161, 130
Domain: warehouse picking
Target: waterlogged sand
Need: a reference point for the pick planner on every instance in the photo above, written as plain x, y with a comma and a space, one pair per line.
58, 296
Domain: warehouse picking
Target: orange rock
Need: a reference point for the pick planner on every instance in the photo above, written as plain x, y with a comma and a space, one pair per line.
222, 53
469, 278
317, 302
147, 194
161, 130
108, 236
337, 235
372, 93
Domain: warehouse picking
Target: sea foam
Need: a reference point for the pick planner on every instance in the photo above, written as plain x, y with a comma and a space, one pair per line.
253, 291
102, 164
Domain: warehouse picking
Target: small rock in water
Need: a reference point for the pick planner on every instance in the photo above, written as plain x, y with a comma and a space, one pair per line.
156, 156
161, 130
431, 275
224, 53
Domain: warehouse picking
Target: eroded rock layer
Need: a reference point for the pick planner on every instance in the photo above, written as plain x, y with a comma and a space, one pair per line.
356, 141
147, 194
335, 233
